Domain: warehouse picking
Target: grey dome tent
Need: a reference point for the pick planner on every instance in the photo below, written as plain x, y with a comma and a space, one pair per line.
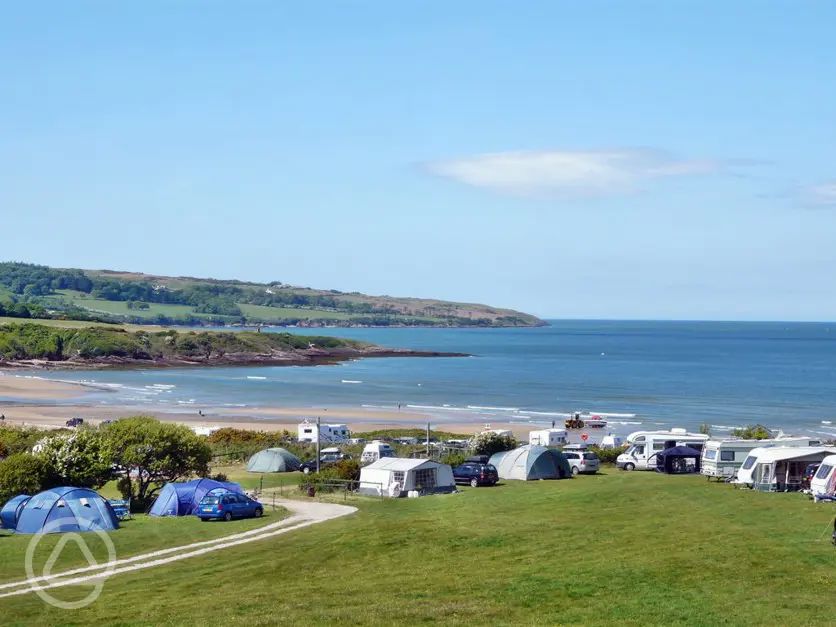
531, 462
273, 460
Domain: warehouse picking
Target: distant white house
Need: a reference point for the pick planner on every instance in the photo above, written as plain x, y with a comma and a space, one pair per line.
396, 476
336, 433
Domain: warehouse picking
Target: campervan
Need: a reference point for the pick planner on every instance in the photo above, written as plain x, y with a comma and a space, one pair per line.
327, 433
723, 458
779, 467
824, 481
612, 441
547, 437
376, 450
645, 445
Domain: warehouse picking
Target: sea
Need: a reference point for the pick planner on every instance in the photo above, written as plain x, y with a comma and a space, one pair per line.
648, 374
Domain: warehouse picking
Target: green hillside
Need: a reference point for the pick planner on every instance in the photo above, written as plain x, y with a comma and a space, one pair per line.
109, 296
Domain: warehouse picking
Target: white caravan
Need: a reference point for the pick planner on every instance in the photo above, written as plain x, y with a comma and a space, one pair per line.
376, 450
327, 433
645, 445
547, 437
779, 467
823, 482
723, 458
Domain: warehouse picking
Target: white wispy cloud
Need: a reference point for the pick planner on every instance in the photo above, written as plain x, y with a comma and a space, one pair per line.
822, 195
570, 172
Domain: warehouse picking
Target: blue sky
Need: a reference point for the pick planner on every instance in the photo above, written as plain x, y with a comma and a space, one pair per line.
570, 159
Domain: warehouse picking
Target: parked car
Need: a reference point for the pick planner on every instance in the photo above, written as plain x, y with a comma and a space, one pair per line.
582, 462
475, 474
75, 422
807, 477
227, 506
326, 459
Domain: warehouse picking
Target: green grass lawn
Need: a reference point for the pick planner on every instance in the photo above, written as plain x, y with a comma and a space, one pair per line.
618, 548
120, 308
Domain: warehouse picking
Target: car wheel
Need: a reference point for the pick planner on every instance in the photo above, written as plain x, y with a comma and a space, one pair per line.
227, 516
306, 470
575, 470
629, 466
474, 483
258, 512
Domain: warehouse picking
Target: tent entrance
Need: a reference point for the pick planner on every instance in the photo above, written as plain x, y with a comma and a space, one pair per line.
425, 479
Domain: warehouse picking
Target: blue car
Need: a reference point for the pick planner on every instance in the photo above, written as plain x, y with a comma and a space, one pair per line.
227, 506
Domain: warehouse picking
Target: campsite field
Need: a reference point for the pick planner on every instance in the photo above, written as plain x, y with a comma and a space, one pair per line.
626, 548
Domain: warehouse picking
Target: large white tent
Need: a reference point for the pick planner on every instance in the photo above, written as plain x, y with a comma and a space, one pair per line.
395, 476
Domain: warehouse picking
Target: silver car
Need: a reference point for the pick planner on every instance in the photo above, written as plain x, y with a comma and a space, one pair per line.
582, 461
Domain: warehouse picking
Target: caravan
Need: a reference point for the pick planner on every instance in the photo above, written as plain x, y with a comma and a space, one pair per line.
646, 445
824, 481
723, 458
376, 450
337, 434
547, 437
779, 468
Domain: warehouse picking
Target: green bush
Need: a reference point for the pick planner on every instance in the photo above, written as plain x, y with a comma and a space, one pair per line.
348, 469
327, 480
453, 459
607, 455
753, 432
23, 473
490, 443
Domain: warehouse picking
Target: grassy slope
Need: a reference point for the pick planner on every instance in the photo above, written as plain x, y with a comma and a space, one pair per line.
120, 308
634, 548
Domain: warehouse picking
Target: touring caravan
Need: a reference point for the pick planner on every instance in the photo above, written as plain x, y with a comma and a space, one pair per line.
779, 468
376, 450
824, 481
723, 458
645, 445
327, 433
547, 437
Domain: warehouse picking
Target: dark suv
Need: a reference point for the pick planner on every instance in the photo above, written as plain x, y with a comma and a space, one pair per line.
326, 459
475, 474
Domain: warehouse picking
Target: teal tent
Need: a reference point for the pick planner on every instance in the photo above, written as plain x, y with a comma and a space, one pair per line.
531, 462
273, 460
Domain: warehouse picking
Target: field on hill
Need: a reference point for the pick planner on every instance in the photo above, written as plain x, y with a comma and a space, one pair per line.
617, 548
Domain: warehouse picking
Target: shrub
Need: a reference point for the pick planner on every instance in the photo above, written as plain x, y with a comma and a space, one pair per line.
490, 443
327, 480
752, 432
348, 469
607, 455
23, 473
453, 459
80, 458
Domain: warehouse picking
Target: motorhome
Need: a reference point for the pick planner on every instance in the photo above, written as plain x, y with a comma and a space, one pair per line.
824, 481
722, 458
376, 450
645, 445
779, 468
336, 433
547, 437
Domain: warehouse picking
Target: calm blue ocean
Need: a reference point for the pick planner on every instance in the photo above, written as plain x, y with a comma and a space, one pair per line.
668, 373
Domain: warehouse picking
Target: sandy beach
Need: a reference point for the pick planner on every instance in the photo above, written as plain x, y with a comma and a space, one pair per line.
27, 402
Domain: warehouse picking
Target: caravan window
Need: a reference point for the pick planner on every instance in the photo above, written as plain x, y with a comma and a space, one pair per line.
823, 471
726, 456
711, 454
658, 446
750, 461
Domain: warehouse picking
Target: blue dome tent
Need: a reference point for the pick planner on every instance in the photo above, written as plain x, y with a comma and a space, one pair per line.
11, 510
66, 509
182, 499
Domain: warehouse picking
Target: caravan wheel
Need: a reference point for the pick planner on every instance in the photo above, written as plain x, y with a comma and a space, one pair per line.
629, 466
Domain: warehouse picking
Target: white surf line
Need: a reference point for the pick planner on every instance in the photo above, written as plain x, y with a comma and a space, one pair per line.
175, 549
317, 513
